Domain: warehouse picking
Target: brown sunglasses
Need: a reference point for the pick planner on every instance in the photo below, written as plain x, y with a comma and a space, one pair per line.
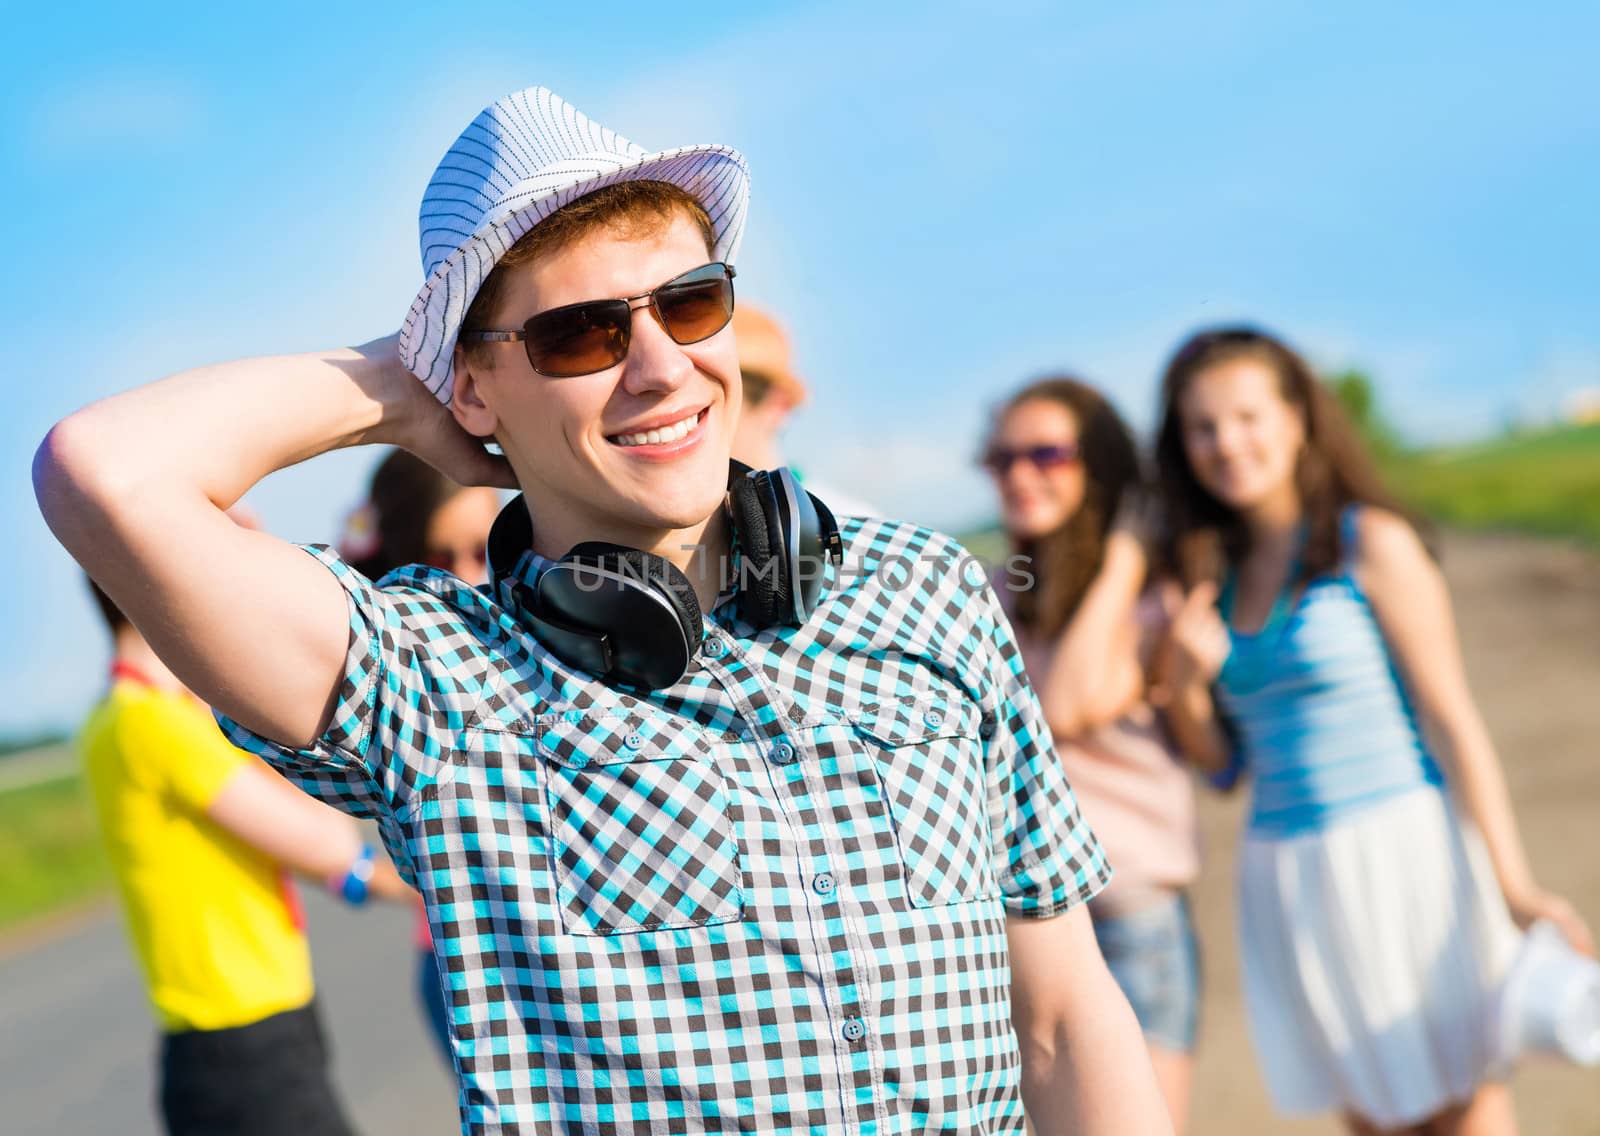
580, 339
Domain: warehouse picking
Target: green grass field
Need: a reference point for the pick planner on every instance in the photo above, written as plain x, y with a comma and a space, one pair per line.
50, 853
1546, 483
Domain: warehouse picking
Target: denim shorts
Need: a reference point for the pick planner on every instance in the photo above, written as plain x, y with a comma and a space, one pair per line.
1155, 958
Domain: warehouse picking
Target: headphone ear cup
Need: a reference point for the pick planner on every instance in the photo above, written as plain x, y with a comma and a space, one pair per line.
763, 583
817, 543
624, 615
827, 525
658, 571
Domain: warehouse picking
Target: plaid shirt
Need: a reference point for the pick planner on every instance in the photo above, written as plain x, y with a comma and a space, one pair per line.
769, 898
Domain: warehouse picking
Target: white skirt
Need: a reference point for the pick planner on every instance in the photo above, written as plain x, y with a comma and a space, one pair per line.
1371, 955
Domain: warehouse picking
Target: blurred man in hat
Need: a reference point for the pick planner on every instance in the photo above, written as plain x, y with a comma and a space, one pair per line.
773, 392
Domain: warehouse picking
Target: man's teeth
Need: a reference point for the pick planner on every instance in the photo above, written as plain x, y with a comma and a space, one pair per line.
657, 437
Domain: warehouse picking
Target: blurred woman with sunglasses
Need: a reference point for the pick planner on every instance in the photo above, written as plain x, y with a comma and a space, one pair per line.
416, 515
1317, 650
1066, 468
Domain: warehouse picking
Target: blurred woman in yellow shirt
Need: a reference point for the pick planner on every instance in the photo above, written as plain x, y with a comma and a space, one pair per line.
202, 838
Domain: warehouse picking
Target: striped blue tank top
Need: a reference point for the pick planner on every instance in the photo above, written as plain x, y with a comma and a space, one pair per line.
1323, 724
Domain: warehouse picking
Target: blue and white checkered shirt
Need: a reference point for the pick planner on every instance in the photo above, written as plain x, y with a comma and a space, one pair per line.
769, 898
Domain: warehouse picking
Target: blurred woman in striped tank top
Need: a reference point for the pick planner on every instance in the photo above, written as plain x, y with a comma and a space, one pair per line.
1381, 874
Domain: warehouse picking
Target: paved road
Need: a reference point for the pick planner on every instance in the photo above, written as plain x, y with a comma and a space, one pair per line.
77, 1047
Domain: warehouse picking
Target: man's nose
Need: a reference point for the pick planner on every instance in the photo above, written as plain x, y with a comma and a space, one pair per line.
656, 362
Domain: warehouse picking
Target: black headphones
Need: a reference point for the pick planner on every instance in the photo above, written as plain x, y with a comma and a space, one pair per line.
631, 618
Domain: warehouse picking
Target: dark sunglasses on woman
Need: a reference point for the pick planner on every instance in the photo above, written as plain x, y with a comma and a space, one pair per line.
580, 339
998, 460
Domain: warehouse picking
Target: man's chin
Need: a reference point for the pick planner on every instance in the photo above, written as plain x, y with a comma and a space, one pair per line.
683, 518
685, 496
676, 511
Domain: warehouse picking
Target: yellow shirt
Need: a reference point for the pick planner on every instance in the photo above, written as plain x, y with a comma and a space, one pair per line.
216, 928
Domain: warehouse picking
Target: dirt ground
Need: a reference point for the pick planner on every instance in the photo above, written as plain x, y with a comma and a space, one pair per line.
1529, 615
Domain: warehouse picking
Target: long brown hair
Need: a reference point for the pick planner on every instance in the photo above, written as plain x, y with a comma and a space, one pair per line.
1065, 562
1332, 471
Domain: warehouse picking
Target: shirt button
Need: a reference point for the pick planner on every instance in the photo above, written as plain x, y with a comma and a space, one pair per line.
634, 740
986, 728
823, 883
854, 1029
713, 648
934, 719
783, 753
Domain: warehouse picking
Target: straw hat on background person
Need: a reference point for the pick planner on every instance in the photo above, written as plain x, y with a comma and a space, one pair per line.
772, 392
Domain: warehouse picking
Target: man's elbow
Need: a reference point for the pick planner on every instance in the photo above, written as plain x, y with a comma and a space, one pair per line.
62, 468
76, 481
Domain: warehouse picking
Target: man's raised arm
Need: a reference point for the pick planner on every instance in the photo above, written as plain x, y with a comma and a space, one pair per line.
136, 487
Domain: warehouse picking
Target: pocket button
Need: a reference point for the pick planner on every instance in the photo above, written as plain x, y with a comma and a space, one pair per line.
633, 741
933, 719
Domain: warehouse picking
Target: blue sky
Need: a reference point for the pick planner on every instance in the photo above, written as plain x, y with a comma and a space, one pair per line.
948, 199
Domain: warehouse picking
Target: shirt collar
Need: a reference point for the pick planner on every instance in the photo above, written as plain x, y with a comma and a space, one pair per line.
513, 563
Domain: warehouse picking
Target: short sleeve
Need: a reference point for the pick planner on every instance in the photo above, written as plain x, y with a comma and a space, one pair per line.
380, 741
1045, 855
176, 737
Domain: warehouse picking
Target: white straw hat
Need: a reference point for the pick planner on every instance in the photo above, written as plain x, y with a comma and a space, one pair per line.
523, 158
1550, 1004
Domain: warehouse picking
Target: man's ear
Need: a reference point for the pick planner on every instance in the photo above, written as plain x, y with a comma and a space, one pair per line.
467, 403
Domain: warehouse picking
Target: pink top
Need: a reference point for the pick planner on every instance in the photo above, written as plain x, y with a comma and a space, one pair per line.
1131, 785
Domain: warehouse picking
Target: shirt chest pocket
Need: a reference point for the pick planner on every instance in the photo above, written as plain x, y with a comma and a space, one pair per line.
929, 757
640, 833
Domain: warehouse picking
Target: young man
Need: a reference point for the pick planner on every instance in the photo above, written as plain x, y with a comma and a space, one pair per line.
825, 879
202, 838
